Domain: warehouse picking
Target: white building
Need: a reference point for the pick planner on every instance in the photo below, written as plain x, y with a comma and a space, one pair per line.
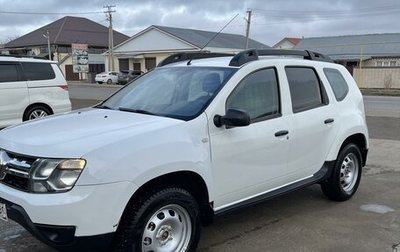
149, 47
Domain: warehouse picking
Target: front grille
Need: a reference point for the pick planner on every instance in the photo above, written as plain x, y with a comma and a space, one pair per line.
16, 182
16, 169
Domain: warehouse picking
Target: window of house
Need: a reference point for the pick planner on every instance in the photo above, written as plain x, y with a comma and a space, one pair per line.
257, 94
38, 71
305, 88
8, 73
386, 63
337, 82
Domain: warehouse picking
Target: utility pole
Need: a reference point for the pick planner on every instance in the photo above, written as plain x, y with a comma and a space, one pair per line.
47, 35
110, 36
248, 21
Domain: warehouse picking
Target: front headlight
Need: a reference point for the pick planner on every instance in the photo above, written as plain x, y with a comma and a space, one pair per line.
55, 175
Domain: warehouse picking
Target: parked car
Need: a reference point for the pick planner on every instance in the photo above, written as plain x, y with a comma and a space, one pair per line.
30, 89
127, 75
107, 77
190, 139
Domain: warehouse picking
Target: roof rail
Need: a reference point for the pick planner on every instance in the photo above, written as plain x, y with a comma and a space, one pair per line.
253, 54
22, 56
183, 56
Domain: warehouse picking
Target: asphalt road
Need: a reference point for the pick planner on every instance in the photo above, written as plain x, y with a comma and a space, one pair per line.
382, 106
301, 221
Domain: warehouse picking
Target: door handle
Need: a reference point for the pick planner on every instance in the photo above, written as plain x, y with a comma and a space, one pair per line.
329, 120
281, 133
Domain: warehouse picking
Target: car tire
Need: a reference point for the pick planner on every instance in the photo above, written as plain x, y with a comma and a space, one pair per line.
99, 82
346, 174
109, 81
36, 112
164, 220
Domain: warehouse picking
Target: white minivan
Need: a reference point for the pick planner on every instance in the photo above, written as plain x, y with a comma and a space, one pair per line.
29, 89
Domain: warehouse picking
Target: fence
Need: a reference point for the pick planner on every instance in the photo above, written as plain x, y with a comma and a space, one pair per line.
377, 77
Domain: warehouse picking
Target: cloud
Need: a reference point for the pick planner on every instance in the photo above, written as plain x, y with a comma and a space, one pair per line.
271, 20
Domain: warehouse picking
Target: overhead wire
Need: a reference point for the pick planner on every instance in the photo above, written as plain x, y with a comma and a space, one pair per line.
50, 13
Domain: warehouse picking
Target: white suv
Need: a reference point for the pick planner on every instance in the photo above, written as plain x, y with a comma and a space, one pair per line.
193, 138
30, 89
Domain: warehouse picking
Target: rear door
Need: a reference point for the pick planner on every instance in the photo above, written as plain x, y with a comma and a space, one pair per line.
313, 126
14, 97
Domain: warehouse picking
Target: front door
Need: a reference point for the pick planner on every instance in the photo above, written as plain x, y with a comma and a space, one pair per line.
250, 160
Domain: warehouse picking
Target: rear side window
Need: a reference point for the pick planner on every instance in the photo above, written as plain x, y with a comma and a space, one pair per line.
337, 82
8, 73
305, 88
38, 71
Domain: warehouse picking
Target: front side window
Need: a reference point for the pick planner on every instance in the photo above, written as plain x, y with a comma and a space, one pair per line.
38, 71
8, 73
257, 94
305, 88
337, 82
177, 92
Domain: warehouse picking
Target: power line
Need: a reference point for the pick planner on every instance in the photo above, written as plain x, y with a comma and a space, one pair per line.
308, 12
316, 19
50, 13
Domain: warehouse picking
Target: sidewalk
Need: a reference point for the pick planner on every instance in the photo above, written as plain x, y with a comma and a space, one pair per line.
383, 157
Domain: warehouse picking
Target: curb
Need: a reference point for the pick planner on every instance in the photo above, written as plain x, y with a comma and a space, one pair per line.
87, 84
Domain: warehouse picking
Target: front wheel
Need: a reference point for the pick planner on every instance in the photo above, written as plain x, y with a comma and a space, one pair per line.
166, 220
109, 81
343, 183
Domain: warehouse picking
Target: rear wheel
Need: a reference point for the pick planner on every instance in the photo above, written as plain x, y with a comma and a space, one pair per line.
166, 220
36, 112
346, 175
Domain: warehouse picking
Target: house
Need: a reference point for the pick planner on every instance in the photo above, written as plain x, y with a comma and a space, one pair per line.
373, 59
147, 48
287, 43
63, 32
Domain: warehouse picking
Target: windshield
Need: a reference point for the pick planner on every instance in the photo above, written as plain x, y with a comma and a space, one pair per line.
177, 92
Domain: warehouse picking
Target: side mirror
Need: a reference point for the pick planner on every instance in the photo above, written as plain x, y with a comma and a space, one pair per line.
233, 118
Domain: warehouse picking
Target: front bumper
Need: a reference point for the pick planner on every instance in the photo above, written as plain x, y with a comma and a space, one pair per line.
59, 237
67, 219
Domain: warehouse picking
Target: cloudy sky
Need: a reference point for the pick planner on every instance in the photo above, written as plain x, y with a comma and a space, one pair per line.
271, 19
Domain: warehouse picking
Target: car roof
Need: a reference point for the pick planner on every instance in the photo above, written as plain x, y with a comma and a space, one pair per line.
250, 56
224, 61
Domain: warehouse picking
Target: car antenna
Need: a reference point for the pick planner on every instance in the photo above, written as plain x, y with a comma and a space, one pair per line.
230, 21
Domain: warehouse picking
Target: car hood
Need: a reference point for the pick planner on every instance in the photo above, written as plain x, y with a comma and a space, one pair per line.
74, 134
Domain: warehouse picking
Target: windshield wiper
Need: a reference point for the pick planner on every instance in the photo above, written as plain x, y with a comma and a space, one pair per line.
140, 111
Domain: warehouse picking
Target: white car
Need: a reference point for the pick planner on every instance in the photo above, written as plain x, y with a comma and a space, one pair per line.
30, 89
107, 77
143, 170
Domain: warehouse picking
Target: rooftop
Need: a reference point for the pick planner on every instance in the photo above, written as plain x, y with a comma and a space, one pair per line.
66, 31
353, 46
200, 38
